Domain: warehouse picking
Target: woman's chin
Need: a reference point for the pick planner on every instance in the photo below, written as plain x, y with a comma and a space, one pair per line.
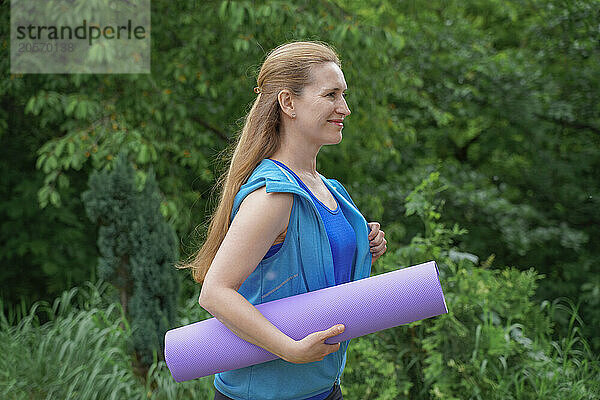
336, 141
339, 137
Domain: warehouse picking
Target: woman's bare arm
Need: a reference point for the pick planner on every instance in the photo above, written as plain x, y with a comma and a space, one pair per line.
261, 218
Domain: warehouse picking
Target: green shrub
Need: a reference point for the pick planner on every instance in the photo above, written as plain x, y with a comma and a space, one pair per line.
494, 342
82, 353
138, 249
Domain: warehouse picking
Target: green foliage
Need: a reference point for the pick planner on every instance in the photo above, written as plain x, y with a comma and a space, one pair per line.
500, 92
371, 371
498, 97
494, 343
81, 353
137, 251
437, 239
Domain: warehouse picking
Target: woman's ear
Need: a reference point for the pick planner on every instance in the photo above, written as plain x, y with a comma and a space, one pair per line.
286, 102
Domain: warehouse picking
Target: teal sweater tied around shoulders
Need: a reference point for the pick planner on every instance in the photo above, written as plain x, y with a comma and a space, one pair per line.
304, 263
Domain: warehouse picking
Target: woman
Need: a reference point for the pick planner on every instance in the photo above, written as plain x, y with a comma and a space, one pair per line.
283, 229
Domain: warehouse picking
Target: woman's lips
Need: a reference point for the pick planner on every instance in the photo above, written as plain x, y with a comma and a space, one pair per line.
336, 122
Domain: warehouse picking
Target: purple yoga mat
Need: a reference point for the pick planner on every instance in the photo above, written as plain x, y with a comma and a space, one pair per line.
364, 306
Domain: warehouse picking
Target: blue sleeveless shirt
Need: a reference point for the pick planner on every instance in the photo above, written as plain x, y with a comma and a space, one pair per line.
342, 238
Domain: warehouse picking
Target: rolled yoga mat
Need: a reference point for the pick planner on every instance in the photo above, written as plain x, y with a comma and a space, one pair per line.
364, 306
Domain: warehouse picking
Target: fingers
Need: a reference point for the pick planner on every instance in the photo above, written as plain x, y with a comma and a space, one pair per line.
374, 229
334, 331
337, 329
379, 248
376, 235
377, 241
378, 245
331, 348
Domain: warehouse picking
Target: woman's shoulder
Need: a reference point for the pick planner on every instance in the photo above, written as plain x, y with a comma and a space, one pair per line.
268, 169
266, 173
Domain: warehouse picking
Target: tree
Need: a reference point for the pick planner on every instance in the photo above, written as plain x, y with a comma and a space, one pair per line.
138, 249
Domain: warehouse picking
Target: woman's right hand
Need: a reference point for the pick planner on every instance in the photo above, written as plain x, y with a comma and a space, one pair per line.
313, 347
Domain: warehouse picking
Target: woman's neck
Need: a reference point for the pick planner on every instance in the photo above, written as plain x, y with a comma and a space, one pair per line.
302, 161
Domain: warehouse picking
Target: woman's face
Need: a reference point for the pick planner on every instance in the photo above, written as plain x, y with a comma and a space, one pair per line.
321, 107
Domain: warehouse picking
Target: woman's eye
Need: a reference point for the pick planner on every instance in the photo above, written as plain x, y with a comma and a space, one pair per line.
332, 94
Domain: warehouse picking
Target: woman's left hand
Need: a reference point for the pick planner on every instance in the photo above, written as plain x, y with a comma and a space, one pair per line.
377, 241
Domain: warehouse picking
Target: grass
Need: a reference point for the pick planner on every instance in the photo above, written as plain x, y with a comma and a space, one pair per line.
83, 352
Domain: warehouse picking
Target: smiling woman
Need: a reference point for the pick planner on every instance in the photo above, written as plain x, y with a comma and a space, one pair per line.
320, 106
281, 228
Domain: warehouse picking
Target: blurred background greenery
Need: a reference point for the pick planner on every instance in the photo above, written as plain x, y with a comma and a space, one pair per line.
474, 139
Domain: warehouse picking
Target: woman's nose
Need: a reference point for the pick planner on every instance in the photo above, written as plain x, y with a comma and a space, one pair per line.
343, 108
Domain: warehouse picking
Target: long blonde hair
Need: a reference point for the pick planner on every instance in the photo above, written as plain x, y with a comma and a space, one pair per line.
286, 67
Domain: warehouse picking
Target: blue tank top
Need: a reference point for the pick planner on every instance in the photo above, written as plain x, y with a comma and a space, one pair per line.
342, 238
